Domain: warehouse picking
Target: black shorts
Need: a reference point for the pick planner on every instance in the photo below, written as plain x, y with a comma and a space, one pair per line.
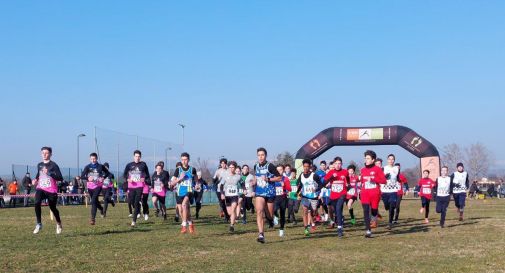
230, 200
179, 199
270, 199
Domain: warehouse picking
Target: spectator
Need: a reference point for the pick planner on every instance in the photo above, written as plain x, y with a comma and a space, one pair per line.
27, 185
13, 190
416, 191
474, 189
501, 189
75, 190
62, 188
491, 191
2, 192
80, 188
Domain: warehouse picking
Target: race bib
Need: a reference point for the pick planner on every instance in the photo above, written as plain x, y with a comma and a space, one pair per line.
426, 191
337, 187
309, 189
261, 183
279, 191
158, 187
106, 182
370, 185
351, 191
186, 183
45, 182
294, 189
135, 177
231, 190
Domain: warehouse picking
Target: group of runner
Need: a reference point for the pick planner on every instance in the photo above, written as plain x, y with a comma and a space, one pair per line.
274, 190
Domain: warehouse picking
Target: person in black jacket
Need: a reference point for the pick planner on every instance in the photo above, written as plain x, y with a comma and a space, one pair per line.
27, 185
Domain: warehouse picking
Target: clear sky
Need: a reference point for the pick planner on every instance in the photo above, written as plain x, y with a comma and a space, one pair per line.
243, 74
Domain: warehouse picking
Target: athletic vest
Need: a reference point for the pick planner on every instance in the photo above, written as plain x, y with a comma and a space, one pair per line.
443, 186
309, 187
460, 178
263, 188
185, 186
392, 185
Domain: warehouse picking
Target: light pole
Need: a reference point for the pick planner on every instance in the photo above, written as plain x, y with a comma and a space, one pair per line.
78, 137
166, 157
182, 126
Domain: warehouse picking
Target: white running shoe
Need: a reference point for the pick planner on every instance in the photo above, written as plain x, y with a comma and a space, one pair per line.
325, 218
133, 224
276, 220
281, 233
58, 229
37, 229
138, 216
131, 215
146, 217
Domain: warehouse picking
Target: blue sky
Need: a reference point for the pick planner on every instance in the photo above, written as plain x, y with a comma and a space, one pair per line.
243, 74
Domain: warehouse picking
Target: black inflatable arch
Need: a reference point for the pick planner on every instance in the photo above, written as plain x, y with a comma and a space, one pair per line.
364, 136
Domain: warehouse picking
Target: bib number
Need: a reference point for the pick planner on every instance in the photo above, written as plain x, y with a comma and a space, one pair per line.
351, 191
370, 185
158, 187
337, 187
135, 177
426, 191
261, 183
231, 190
279, 191
45, 182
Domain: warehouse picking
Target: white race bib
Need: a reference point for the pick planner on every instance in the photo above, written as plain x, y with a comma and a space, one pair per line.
45, 182
279, 191
231, 190
337, 187
261, 183
351, 191
135, 177
426, 191
370, 185
158, 186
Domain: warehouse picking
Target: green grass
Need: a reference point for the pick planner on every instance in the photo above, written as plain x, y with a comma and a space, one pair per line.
475, 245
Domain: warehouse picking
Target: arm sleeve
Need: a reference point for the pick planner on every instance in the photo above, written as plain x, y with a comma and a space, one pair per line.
467, 183
84, 174
38, 173
273, 170
299, 184
57, 173
148, 176
125, 173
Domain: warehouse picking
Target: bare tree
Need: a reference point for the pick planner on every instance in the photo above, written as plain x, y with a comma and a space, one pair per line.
479, 159
452, 154
285, 158
202, 165
413, 175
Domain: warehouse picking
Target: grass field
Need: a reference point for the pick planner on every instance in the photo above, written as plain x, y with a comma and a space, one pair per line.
475, 245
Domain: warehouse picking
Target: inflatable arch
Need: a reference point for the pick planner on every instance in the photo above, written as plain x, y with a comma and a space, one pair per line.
365, 136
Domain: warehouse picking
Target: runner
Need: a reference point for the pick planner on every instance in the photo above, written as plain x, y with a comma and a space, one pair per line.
425, 191
107, 188
218, 181
249, 193
230, 189
309, 185
281, 202
403, 181
160, 180
46, 185
352, 193
241, 193
200, 186
137, 175
293, 202
184, 178
265, 176
94, 173
324, 201
389, 191
443, 189
337, 182
460, 184
371, 175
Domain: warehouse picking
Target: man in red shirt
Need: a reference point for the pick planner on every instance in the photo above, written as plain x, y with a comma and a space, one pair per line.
336, 181
425, 191
371, 177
